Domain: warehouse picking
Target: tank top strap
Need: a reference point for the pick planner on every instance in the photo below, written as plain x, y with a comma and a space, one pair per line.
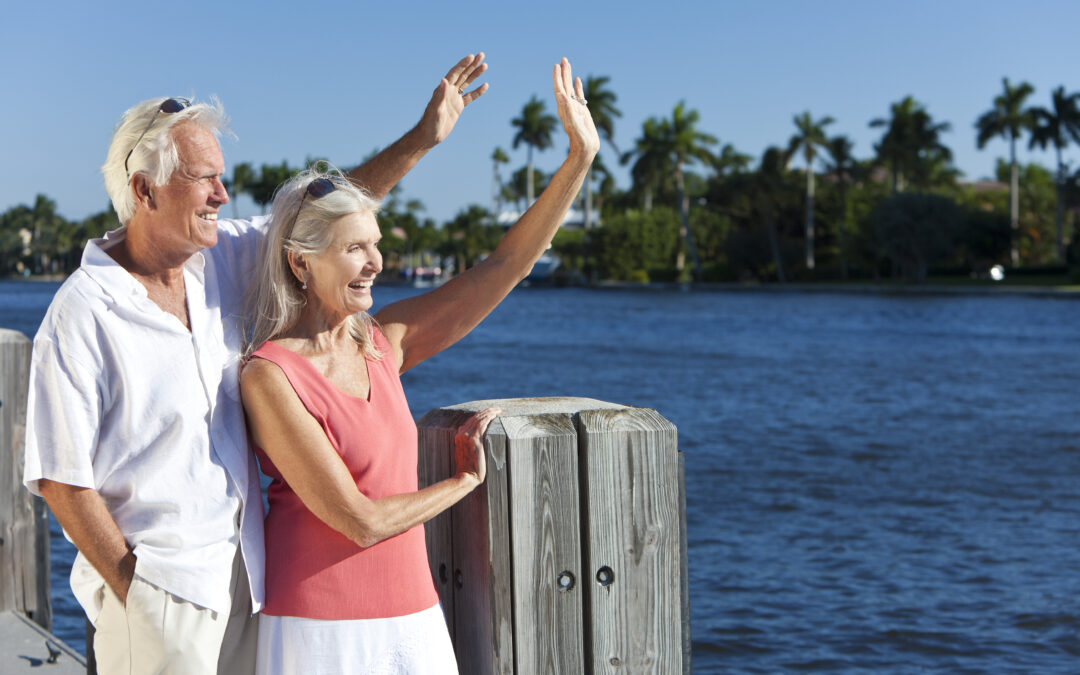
387, 365
308, 383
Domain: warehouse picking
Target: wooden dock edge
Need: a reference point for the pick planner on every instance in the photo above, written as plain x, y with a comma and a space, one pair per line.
615, 453
27, 648
26, 642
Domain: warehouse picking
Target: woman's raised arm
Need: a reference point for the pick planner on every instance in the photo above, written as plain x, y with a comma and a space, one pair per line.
421, 327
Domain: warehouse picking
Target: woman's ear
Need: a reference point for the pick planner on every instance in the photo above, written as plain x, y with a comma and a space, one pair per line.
298, 265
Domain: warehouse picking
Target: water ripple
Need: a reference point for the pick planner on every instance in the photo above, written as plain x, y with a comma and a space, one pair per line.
875, 484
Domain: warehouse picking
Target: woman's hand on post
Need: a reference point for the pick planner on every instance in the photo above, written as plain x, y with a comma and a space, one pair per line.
574, 112
450, 98
469, 444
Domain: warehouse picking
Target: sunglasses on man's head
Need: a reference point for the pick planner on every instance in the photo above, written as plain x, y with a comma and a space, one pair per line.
168, 106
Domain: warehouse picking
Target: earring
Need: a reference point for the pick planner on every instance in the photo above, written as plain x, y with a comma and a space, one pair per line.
303, 286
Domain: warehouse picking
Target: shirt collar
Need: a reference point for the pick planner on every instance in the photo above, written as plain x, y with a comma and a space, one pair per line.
116, 281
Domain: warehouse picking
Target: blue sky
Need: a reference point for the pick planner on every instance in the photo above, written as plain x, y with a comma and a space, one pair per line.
342, 79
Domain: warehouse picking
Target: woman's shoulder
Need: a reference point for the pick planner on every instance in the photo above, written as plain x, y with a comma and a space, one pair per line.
267, 351
260, 374
271, 358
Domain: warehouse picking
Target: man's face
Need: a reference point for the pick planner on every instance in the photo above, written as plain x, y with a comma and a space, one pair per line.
185, 210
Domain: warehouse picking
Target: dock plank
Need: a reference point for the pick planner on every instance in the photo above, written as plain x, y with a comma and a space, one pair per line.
26, 647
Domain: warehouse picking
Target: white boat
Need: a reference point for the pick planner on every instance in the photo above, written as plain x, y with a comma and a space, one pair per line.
543, 268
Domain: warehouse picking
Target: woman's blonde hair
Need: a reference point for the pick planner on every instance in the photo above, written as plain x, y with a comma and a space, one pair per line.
301, 223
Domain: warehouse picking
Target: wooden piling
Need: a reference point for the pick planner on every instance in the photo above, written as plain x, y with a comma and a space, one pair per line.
570, 557
24, 529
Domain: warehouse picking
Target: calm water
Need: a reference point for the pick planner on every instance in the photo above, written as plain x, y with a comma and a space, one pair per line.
874, 483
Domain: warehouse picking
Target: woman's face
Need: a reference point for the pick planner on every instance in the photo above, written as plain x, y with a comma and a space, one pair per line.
340, 277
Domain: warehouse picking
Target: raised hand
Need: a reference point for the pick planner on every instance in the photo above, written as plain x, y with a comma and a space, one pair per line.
450, 98
573, 110
469, 444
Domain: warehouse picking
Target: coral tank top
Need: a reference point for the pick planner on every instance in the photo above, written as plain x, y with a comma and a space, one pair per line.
312, 570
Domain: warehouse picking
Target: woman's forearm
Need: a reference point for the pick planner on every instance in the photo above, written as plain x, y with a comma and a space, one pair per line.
532, 234
369, 521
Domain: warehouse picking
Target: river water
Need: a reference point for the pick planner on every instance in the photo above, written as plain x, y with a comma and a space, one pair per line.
875, 483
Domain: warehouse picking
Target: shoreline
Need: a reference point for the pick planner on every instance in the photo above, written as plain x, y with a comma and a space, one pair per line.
823, 287
1069, 292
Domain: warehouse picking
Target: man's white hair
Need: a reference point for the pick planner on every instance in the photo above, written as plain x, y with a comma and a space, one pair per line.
155, 153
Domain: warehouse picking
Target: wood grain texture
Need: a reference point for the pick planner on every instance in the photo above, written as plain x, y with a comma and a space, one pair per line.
434, 463
472, 541
574, 486
484, 613
550, 405
24, 551
684, 566
631, 506
545, 538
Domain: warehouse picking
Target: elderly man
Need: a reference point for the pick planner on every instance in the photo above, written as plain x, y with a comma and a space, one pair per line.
135, 432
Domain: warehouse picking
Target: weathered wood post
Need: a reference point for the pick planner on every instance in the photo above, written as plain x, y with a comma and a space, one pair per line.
24, 524
571, 558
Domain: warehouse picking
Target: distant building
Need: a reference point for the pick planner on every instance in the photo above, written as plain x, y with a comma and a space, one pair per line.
981, 186
574, 219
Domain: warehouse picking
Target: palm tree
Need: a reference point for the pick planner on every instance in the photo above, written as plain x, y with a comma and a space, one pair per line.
243, 177
729, 160
911, 146
516, 187
469, 236
767, 184
842, 166
652, 159
603, 178
1055, 127
602, 107
810, 137
270, 177
601, 183
498, 157
45, 227
534, 127
892, 148
1008, 119
687, 145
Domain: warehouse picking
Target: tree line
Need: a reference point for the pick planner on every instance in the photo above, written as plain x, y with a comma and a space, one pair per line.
696, 208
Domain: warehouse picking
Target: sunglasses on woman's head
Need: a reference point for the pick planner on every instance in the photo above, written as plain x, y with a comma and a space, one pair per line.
168, 106
320, 187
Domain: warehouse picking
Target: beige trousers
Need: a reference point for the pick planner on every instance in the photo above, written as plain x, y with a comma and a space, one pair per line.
157, 632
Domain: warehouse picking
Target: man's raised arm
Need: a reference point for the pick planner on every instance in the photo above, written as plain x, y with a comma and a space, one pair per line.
383, 171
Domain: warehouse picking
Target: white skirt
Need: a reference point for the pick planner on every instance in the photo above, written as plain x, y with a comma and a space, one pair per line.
402, 645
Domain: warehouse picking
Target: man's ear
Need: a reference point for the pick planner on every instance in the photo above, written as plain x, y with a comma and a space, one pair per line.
141, 188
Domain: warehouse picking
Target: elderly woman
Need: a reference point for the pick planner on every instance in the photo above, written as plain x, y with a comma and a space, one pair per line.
347, 583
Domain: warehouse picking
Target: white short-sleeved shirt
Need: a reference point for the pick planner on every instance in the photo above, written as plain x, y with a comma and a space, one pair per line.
125, 400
